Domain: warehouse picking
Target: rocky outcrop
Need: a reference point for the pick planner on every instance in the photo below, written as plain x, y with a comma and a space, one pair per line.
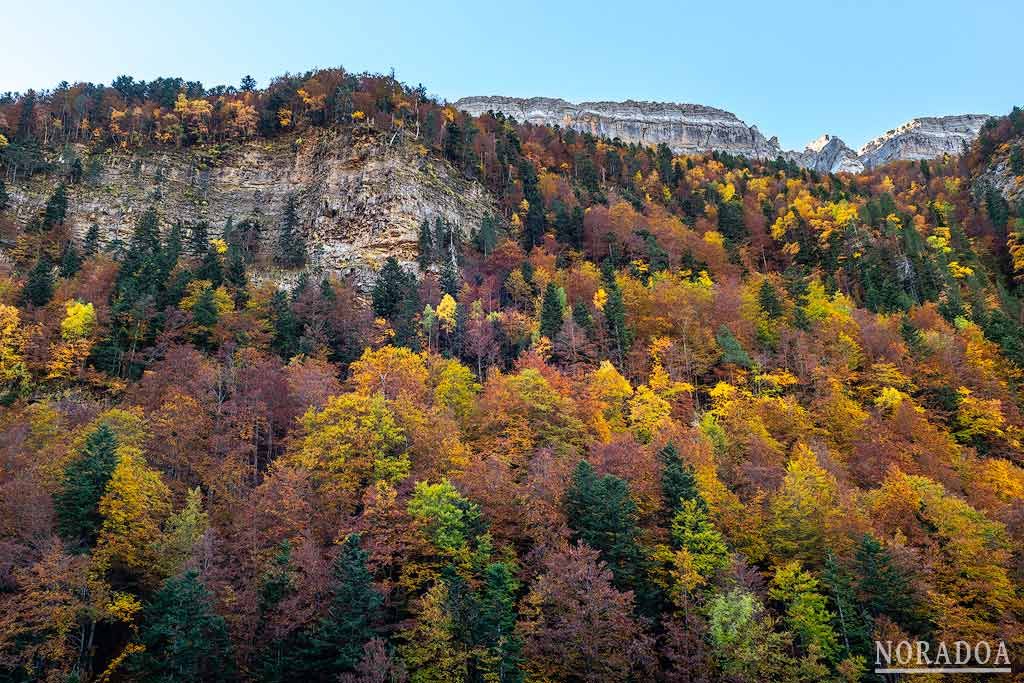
827, 154
685, 128
695, 128
360, 201
924, 138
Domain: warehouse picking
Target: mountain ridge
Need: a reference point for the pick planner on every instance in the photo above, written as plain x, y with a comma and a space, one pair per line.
689, 128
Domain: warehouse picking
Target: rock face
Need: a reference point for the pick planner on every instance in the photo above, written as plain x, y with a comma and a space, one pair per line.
828, 154
360, 201
685, 128
923, 138
695, 128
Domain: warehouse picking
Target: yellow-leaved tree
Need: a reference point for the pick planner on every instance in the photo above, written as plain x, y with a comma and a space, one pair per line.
134, 507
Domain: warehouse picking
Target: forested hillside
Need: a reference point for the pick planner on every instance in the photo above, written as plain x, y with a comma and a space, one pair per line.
668, 418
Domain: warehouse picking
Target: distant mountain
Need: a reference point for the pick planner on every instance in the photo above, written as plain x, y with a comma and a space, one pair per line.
686, 128
696, 128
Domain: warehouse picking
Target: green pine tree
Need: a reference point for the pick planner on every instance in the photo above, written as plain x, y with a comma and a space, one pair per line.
56, 208
199, 236
426, 245
286, 325
291, 245
768, 300
602, 514
184, 638
337, 644
487, 237
5, 199
91, 245
85, 479
615, 318
883, 587
38, 289
732, 351
211, 268
551, 312
677, 481
70, 262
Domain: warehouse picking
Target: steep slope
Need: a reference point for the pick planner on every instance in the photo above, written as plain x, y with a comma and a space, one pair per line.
923, 138
685, 128
359, 199
827, 154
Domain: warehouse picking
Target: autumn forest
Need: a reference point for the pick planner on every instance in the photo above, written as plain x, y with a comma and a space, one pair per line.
652, 418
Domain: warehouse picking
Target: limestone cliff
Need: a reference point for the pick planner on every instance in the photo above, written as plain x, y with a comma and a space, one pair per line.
685, 128
828, 154
360, 200
923, 138
695, 128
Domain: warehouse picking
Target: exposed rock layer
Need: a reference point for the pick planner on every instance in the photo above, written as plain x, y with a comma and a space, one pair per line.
359, 200
686, 128
694, 128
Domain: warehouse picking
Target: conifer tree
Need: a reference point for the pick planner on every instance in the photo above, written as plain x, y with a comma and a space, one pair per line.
602, 514
615, 316
732, 351
291, 245
184, 639
551, 312
426, 245
883, 587
677, 481
85, 480
199, 236
5, 199
768, 300
70, 262
38, 288
56, 208
91, 245
338, 642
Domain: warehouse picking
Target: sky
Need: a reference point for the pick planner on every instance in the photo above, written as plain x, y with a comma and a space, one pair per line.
794, 69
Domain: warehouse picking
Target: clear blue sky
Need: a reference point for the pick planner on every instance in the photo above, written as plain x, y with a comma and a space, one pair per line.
796, 69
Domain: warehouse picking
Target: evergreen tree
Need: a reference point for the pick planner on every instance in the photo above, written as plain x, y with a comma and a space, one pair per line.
581, 316
56, 208
391, 286
495, 625
338, 642
551, 312
677, 481
615, 317
426, 245
5, 199
487, 237
732, 351
1016, 164
768, 300
38, 288
852, 624
92, 240
85, 479
286, 325
883, 587
210, 268
204, 311
70, 262
396, 297
291, 245
235, 277
602, 514
184, 639
199, 237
